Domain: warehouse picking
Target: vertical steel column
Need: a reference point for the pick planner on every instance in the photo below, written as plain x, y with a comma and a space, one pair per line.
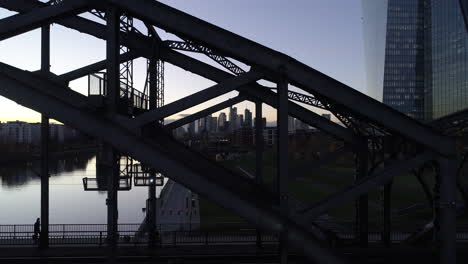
282, 169
113, 73
152, 210
258, 154
362, 209
153, 84
45, 68
446, 213
387, 214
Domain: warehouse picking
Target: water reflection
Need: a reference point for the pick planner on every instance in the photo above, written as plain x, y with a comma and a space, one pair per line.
14, 175
69, 203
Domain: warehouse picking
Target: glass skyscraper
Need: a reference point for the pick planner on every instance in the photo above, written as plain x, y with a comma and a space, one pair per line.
447, 53
416, 53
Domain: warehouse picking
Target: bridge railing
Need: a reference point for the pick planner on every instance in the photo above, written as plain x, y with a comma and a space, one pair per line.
97, 86
171, 235
96, 234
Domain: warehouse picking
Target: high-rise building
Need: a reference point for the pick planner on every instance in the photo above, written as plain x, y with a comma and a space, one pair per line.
202, 124
247, 118
233, 118
191, 128
416, 55
222, 121
447, 59
211, 123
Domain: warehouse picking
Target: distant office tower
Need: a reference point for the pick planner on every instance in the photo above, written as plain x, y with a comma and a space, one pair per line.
416, 55
214, 123
222, 121
202, 124
238, 122
264, 122
327, 116
208, 123
211, 123
191, 128
241, 120
247, 118
232, 118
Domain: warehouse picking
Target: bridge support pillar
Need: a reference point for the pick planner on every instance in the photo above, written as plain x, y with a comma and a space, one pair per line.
154, 102
446, 210
362, 204
282, 170
258, 155
113, 88
45, 68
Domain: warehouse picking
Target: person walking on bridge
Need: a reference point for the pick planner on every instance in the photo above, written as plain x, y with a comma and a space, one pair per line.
37, 229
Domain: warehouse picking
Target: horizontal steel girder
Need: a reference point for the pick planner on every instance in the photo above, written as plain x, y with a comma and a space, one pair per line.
365, 185
197, 98
95, 67
18, 24
205, 112
297, 73
170, 157
144, 46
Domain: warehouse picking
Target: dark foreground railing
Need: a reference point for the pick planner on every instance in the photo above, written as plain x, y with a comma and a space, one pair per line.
96, 234
173, 235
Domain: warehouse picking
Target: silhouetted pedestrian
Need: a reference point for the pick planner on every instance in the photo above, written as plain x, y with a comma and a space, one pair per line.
37, 229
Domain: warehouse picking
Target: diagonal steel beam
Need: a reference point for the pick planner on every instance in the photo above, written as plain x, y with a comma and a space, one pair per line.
95, 67
205, 112
298, 74
197, 98
452, 123
17, 24
139, 42
364, 185
179, 164
145, 48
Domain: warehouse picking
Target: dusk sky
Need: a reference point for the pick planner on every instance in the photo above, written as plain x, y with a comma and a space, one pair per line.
324, 34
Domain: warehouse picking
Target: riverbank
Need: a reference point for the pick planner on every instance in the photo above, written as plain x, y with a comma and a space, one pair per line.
27, 156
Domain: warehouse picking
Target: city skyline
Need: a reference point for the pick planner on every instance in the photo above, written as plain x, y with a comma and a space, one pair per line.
220, 123
345, 18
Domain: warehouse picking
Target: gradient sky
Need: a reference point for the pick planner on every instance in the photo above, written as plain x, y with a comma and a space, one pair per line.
324, 34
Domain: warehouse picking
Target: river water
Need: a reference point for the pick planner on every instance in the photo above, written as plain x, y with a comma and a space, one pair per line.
69, 203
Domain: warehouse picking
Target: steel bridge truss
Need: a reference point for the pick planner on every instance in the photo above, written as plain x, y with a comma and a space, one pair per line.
385, 142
